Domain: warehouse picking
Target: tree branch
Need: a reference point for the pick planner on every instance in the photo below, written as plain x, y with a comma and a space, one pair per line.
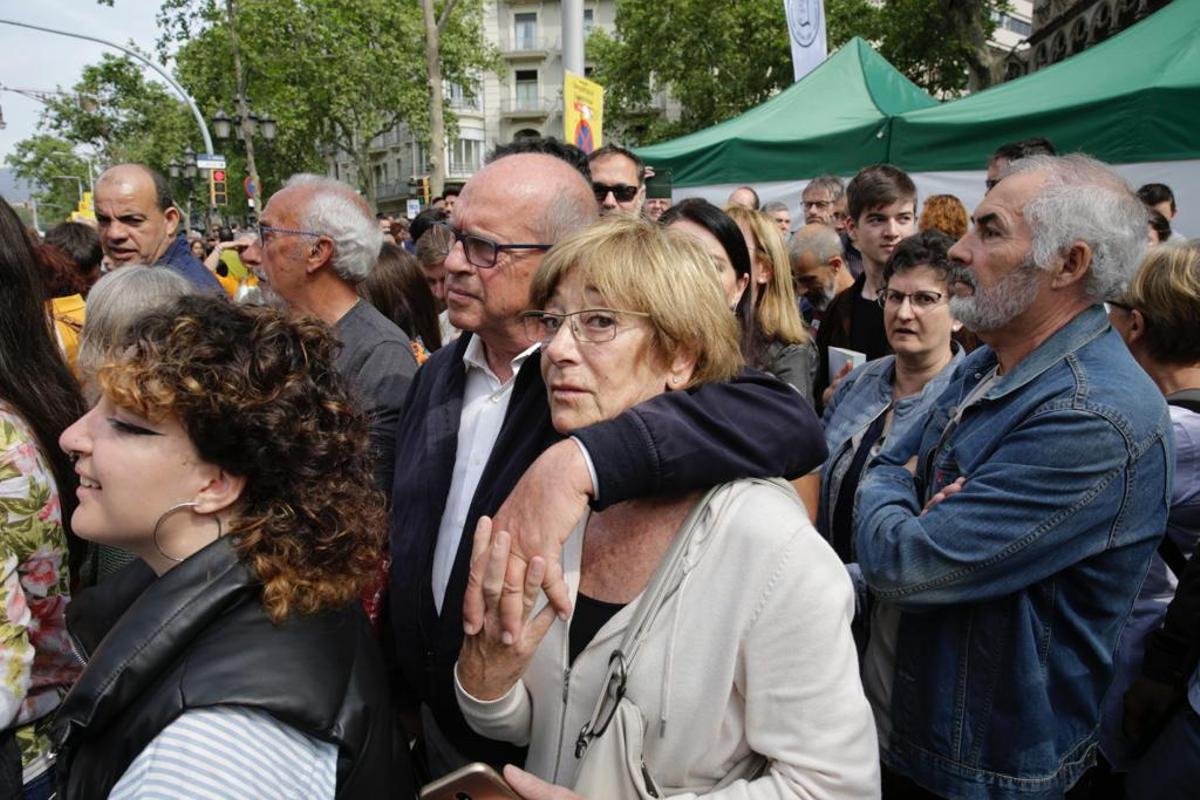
445, 17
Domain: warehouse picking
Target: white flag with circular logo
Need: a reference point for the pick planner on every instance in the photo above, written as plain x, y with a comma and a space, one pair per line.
806, 27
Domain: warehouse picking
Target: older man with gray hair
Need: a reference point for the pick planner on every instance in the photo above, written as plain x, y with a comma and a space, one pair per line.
1005, 542
317, 240
819, 269
475, 439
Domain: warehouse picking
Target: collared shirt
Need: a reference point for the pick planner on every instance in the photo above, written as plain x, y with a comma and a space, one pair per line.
485, 404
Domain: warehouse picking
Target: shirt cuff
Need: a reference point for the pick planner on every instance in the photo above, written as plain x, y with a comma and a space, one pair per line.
587, 459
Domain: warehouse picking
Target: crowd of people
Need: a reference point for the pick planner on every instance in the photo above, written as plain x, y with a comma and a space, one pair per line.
621, 496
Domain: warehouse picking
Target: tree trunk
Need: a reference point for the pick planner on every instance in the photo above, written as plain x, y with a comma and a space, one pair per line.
437, 123
244, 111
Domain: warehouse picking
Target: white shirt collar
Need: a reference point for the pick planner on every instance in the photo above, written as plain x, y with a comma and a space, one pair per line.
474, 356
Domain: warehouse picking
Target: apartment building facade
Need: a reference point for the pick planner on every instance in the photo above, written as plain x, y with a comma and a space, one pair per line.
525, 100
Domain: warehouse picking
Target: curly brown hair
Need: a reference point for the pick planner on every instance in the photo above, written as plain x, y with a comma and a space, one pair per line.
945, 213
258, 394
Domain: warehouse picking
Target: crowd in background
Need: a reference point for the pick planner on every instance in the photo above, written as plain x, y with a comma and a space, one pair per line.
623, 493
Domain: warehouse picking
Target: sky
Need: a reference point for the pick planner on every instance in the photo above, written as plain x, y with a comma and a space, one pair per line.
35, 60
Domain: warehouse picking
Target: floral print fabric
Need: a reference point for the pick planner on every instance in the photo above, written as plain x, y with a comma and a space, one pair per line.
36, 662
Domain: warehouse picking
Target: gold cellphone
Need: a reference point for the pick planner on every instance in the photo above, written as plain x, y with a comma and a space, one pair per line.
475, 781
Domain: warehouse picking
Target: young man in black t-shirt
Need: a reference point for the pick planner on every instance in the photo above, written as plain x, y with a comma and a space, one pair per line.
882, 201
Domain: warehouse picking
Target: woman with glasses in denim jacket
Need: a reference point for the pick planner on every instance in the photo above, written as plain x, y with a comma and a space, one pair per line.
884, 397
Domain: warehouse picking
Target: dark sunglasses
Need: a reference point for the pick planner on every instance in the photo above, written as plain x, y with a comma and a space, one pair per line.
622, 192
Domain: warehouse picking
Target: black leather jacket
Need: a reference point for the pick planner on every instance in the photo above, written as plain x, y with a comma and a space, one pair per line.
198, 637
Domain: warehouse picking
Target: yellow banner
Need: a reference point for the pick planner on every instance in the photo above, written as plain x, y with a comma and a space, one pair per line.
583, 112
86, 209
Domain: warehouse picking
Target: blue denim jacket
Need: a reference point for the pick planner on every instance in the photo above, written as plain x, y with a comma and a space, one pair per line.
862, 396
1013, 592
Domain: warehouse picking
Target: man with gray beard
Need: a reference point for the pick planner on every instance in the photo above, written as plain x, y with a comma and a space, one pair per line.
1005, 541
818, 269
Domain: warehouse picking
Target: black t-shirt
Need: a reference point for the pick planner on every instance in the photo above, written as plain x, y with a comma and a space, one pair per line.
867, 334
589, 617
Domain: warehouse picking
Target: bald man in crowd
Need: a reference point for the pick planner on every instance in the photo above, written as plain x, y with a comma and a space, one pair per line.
477, 422
139, 223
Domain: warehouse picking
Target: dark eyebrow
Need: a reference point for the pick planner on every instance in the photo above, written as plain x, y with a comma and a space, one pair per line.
986, 219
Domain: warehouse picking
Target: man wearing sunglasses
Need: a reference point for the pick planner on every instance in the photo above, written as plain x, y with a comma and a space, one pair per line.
475, 439
617, 179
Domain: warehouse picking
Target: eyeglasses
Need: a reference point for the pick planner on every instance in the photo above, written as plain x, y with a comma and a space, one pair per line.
921, 301
481, 252
1120, 304
263, 230
621, 191
591, 325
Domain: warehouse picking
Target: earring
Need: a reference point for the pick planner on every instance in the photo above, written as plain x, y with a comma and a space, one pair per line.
675, 379
169, 512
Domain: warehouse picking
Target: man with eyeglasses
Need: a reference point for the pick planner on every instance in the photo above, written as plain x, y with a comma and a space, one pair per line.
824, 201
316, 241
475, 439
617, 179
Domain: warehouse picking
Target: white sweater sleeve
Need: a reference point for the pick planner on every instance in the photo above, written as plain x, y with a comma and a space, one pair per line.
805, 707
508, 718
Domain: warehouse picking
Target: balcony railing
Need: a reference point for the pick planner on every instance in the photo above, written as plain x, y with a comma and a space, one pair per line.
462, 169
538, 105
391, 189
461, 103
514, 44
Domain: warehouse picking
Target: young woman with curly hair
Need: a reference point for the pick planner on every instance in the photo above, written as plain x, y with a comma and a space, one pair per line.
234, 657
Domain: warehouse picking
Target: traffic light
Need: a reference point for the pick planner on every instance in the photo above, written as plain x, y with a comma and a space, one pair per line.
216, 184
425, 190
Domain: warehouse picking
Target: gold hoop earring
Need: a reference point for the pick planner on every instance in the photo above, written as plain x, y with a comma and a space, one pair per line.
169, 512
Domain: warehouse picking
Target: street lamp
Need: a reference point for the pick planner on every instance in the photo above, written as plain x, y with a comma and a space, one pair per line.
221, 124
247, 124
185, 173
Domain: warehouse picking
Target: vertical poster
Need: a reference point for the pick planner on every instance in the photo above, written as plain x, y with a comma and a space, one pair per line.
583, 112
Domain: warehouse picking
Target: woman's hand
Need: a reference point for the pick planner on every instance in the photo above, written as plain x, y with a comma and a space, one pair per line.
493, 660
531, 787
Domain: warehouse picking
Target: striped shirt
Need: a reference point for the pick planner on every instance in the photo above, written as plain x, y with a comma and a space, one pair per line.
228, 752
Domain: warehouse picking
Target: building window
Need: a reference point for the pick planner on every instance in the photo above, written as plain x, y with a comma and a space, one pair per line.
527, 89
525, 31
466, 157
420, 159
589, 21
1010, 23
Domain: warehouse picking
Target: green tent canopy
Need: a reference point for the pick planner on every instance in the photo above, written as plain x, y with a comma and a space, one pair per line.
1133, 98
835, 119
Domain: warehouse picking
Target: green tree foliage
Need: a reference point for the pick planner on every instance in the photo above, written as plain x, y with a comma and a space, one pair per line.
121, 116
717, 58
114, 112
335, 74
40, 160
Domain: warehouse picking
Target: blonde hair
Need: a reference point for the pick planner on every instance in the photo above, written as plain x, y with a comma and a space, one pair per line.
641, 266
777, 316
1166, 289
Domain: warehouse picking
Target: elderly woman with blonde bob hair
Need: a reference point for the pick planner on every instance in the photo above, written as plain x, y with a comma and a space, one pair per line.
748, 672
234, 659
